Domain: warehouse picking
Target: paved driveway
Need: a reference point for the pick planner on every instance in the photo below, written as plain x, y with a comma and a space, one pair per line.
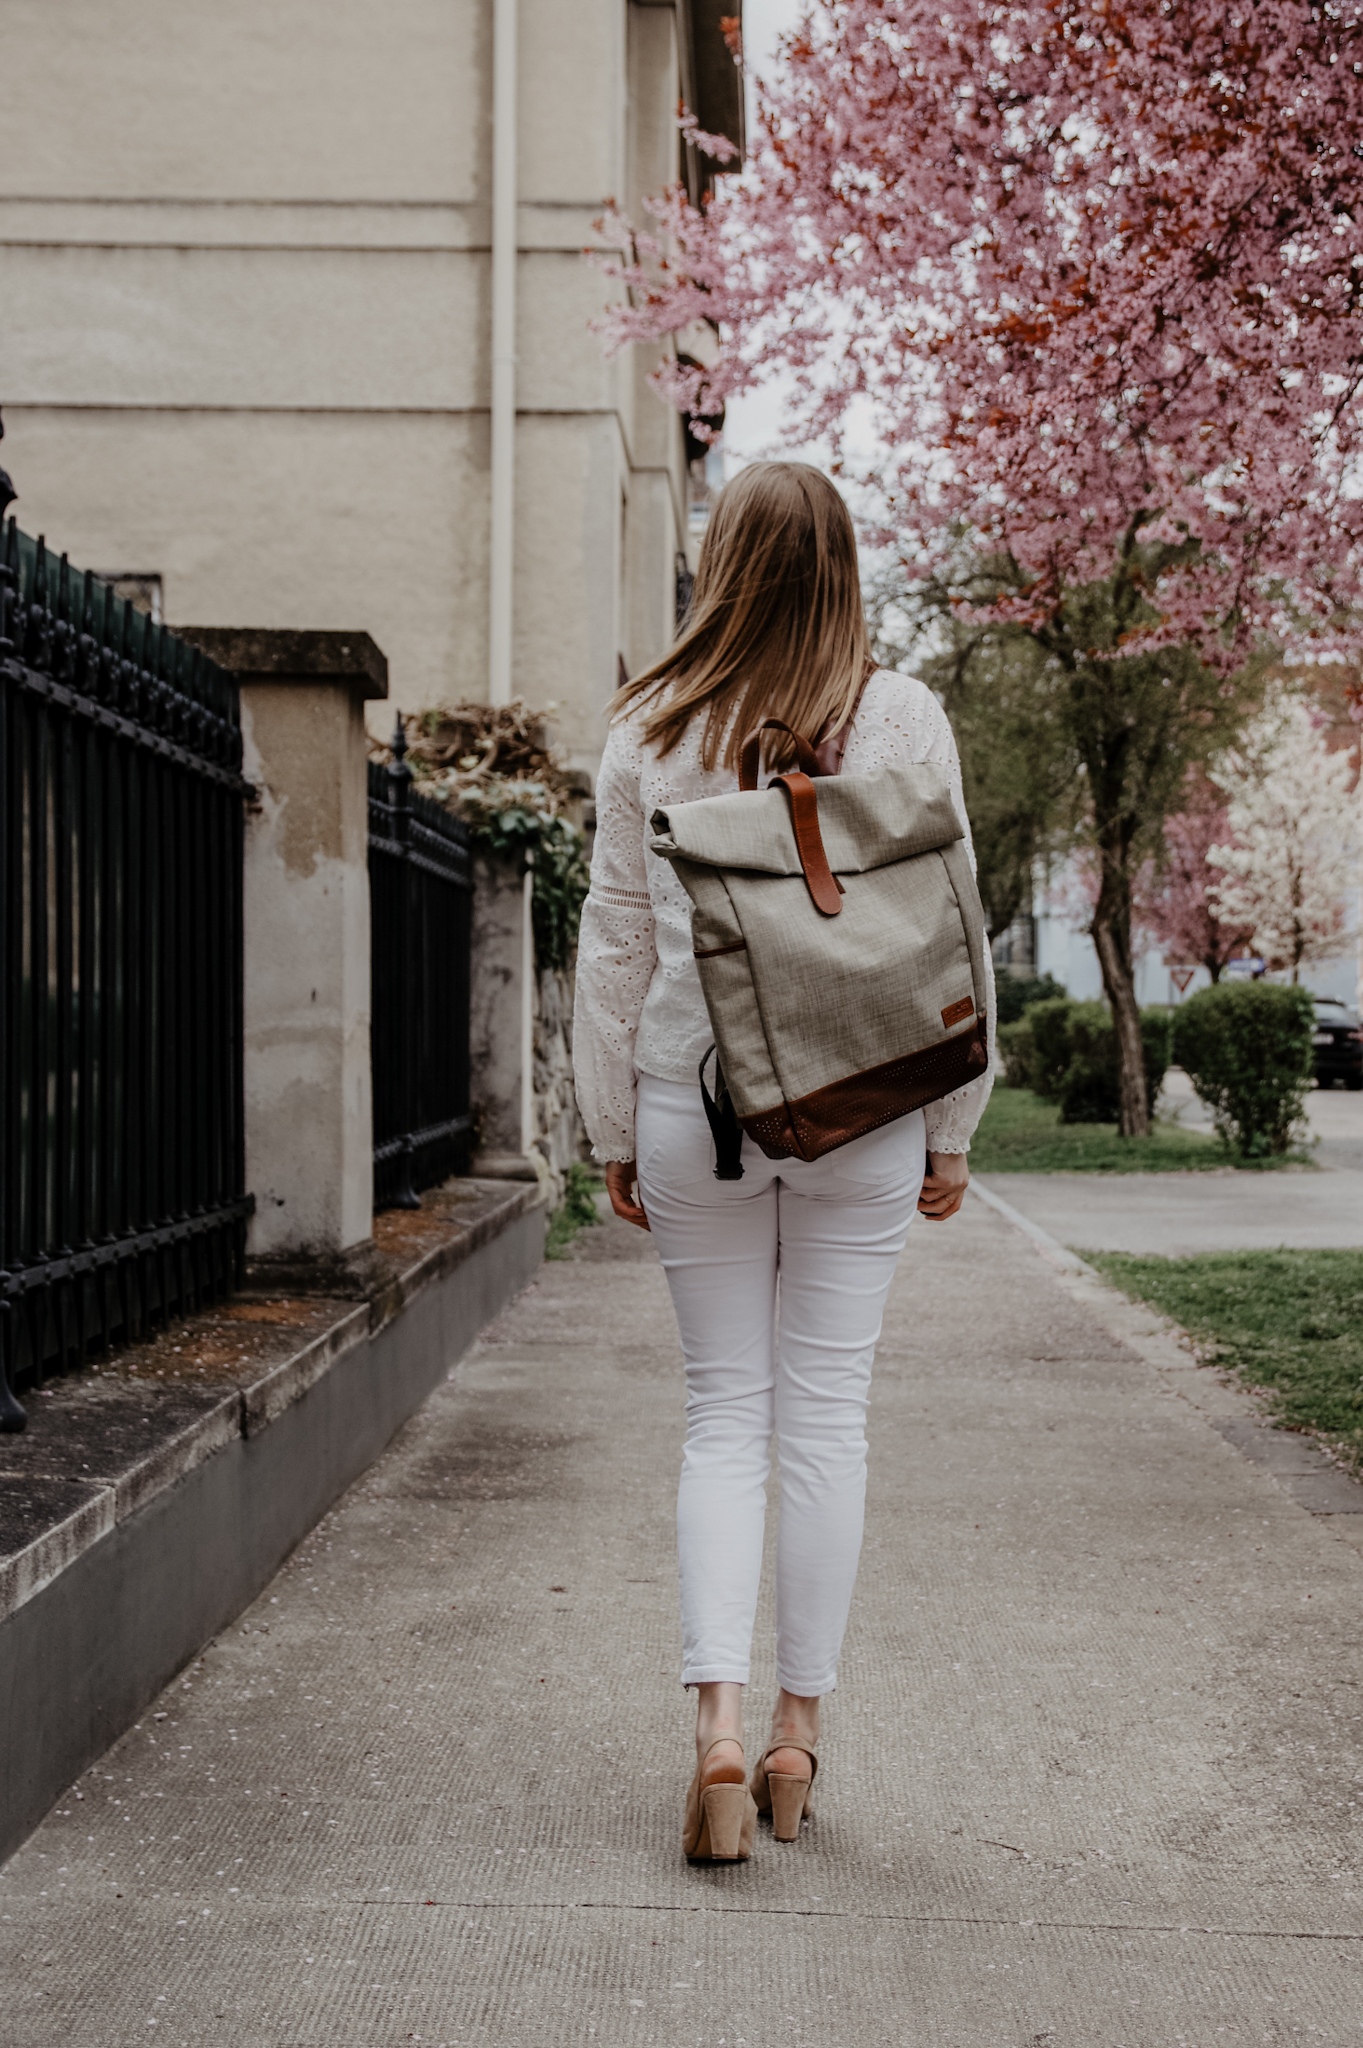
1175, 1213
1333, 1115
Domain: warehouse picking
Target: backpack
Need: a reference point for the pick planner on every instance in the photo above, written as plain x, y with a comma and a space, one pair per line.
840, 942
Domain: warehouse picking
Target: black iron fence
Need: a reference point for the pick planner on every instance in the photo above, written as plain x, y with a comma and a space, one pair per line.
122, 1192
421, 910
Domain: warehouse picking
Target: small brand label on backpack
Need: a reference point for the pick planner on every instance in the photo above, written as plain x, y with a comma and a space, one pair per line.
954, 1012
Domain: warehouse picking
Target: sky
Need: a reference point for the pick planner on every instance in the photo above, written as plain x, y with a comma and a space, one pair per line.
752, 421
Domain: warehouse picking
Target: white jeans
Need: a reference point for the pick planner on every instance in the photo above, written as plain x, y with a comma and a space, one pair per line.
835, 1227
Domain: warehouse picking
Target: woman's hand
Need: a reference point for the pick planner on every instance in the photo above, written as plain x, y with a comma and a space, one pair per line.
944, 1185
621, 1180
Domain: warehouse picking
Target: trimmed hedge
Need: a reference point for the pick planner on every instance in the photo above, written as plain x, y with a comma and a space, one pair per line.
1014, 994
1050, 1026
1090, 1092
1017, 1052
1066, 1052
1246, 1048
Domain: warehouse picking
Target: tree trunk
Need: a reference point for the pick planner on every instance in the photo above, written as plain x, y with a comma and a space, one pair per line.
1111, 929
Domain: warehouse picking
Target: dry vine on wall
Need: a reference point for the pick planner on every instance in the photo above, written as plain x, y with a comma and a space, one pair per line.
493, 766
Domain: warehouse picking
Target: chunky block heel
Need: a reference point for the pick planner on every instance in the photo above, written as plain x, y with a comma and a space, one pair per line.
720, 1820
788, 1800
729, 1810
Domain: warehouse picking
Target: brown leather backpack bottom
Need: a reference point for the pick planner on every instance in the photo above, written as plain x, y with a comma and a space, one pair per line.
845, 1110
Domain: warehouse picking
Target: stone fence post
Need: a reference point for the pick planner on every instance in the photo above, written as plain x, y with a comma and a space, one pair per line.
501, 1019
520, 1037
308, 1085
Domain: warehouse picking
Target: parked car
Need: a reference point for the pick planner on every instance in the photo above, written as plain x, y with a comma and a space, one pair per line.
1339, 1043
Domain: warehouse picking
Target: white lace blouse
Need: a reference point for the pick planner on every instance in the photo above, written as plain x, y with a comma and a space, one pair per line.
639, 1007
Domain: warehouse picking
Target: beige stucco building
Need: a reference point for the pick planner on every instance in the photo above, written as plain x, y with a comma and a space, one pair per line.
294, 317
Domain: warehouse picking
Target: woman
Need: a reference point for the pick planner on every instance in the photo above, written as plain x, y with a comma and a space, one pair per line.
776, 629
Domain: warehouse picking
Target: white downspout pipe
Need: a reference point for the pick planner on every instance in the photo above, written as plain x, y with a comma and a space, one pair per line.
502, 521
528, 1132
503, 423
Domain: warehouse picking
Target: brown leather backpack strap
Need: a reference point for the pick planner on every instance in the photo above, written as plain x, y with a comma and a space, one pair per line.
829, 750
749, 759
804, 817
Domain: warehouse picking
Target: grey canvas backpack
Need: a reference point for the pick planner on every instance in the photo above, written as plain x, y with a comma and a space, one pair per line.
840, 942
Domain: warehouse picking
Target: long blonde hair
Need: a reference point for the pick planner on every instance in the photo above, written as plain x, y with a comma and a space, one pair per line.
776, 627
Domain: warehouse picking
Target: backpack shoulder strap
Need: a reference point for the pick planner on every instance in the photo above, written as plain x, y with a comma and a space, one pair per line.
829, 750
724, 1125
749, 755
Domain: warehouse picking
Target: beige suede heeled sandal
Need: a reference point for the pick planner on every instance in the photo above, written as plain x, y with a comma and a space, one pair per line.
787, 1799
720, 1819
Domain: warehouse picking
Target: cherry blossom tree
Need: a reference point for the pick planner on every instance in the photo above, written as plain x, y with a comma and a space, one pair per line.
1289, 863
1017, 768
1094, 276
1173, 900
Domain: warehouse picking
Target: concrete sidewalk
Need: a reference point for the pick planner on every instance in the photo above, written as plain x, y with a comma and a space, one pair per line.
1092, 1779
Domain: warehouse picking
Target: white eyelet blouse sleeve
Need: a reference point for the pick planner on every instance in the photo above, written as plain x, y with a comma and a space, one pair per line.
639, 1007
616, 956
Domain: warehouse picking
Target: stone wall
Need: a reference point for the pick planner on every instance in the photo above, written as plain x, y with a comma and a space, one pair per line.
558, 1132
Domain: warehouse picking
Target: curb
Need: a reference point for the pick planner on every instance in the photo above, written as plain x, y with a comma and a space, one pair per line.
102, 1609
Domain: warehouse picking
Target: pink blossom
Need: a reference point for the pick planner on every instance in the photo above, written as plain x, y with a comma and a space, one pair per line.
1097, 272
1175, 903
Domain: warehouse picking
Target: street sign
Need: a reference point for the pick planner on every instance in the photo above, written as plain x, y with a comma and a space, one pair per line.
1181, 976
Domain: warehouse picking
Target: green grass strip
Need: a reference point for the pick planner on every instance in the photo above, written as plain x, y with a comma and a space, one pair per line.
1019, 1133
1288, 1322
